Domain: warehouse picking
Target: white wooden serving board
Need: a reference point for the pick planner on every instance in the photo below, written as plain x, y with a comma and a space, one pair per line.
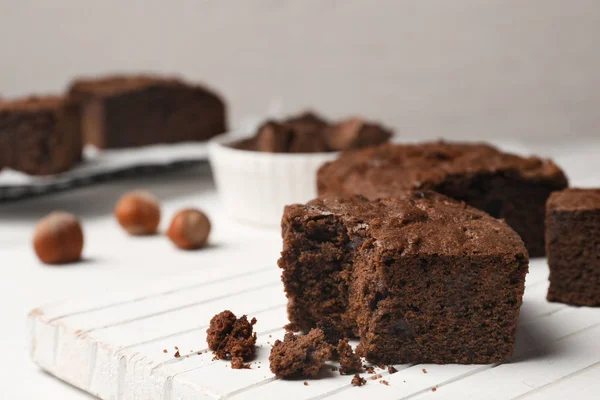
113, 347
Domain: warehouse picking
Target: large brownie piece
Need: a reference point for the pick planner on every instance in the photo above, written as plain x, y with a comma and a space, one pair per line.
503, 185
131, 111
39, 135
573, 246
417, 278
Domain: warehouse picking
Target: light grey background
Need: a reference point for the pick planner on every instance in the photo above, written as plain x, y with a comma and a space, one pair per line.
429, 68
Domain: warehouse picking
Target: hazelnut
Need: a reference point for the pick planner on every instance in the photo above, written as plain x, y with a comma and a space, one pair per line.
58, 238
138, 212
189, 229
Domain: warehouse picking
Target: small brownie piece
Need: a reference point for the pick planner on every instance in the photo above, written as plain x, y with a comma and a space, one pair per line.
273, 137
238, 363
417, 278
355, 133
573, 246
349, 361
39, 135
300, 355
358, 380
229, 336
131, 111
307, 118
297, 135
503, 185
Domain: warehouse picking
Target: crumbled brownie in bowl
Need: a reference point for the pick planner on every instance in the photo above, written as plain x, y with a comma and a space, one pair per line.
311, 133
573, 246
258, 176
418, 278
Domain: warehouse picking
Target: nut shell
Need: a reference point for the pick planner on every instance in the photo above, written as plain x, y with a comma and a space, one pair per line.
58, 238
138, 212
189, 229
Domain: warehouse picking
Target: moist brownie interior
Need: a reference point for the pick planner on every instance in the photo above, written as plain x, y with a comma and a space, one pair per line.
417, 278
573, 246
503, 185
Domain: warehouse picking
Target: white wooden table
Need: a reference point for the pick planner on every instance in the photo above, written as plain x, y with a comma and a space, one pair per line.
558, 350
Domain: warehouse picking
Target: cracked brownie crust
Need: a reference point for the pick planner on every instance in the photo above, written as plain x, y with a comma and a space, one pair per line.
503, 185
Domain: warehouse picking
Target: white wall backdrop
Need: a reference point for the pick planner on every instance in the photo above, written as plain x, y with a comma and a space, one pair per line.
430, 68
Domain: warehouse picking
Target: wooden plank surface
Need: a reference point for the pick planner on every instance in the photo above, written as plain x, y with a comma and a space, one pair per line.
114, 347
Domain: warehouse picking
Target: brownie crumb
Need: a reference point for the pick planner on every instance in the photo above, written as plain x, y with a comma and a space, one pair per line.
386, 383
177, 355
375, 377
300, 355
333, 369
292, 327
370, 369
333, 333
238, 363
349, 361
165, 351
433, 389
424, 370
229, 336
305, 383
357, 380
392, 370
176, 348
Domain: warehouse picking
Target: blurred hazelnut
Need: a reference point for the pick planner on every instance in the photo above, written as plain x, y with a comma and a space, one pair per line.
138, 212
189, 229
58, 238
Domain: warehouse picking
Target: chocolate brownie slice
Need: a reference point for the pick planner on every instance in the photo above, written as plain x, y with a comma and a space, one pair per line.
417, 278
503, 185
131, 111
573, 246
39, 135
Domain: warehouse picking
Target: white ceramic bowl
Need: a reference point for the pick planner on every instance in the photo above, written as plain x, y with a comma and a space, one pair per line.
255, 186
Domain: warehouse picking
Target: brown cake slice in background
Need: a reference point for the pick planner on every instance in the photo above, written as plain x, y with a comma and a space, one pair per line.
39, 135
417, 278
573, 242
131, 111
503, 185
